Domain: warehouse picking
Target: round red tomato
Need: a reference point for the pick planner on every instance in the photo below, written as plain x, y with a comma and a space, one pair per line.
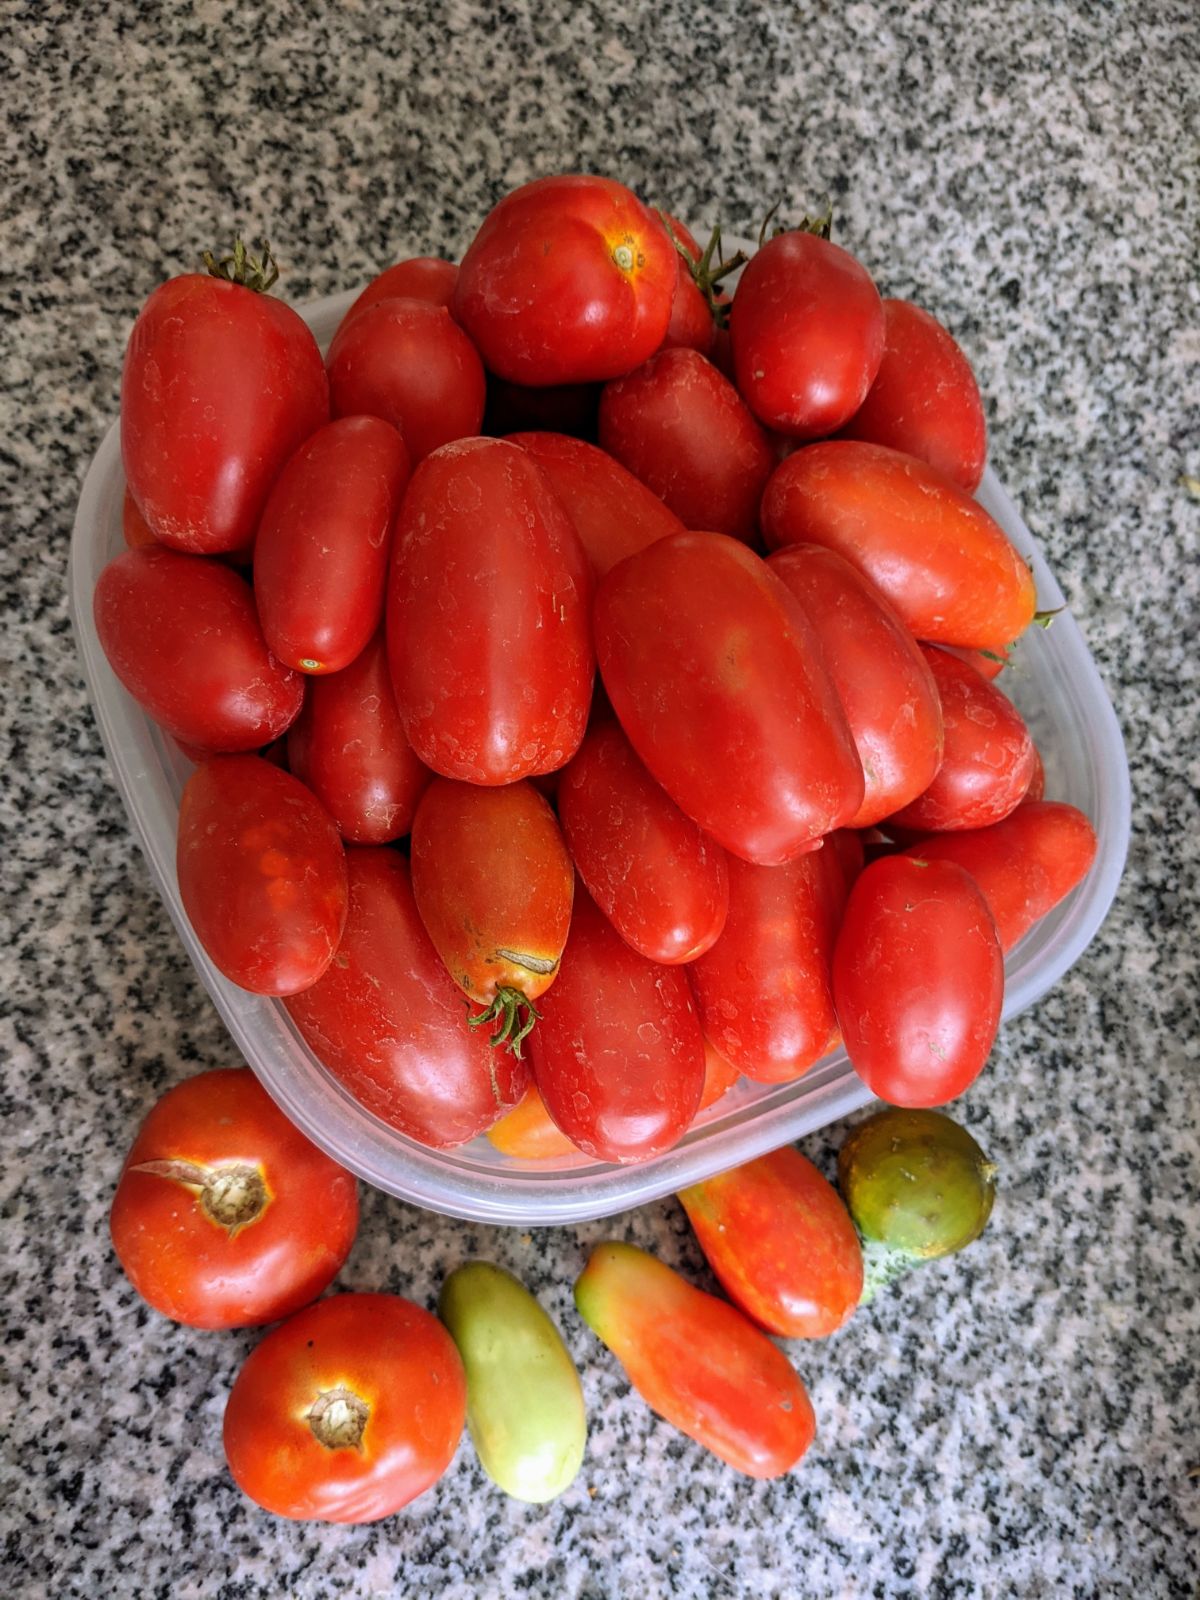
691, 326
418, 278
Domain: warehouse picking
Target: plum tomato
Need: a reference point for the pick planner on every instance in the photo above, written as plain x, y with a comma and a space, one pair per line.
528, 1132
719, 1076
419, 278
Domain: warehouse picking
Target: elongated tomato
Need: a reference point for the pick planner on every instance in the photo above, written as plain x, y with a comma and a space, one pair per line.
719, 1076
528, 1133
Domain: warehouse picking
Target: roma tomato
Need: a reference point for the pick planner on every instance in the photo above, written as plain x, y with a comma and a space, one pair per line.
262, 874
719, 1076
682, 428
408, 362
691, 326
390, 1024
221, 384
918, 979
419, 278
945, 566
528, 1131
320, 560
807, 330
183, 636
225, 1215
886, 689
618, 1054
717, 679
697, 1361
782, 1243
658, 879
348, 746
569, 280
488, 630
347, 1412
924, 400
134, 527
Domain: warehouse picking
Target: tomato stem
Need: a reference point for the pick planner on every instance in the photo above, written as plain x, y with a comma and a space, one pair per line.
259, 273
516, 1015
1043, 619
821, 224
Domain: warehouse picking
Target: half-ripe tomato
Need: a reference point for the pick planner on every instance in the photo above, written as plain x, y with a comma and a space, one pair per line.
488, 630
225, 1215
569, 280
390, 1024
347, 1412
691, 326
320, 560
134, 526
262, 874
419, 278
528, 1133
719, 1076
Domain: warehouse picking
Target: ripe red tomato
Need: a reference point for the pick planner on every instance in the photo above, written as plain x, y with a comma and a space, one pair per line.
918, 979
886, 689
221, 384
945, 566
658, 879
134, 526
691, 326
262, 874
618, 1054
225, 1215
488, 629
320, 561
682, 428
528, 1133
807, 332
348, 746
183, 636
408, 362
569, 280
390, 1024
419, 278
718, 682
347, 1412
924, 400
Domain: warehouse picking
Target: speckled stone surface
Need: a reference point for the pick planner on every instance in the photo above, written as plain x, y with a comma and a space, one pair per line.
1019, 1422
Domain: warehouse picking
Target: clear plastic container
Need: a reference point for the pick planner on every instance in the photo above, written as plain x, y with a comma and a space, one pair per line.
1054, 682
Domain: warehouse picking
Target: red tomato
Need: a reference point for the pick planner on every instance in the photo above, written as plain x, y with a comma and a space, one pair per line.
697, 1361
320, 561
658, 879
718, 682
946, 567
807, 332
488, 628
262, 874
719, 1076
527, 1132
886, 689
988, 664
782, 1243
691, 326
1037, 784
182, 635
564, 408
924, 400
618, 1054
221, 384
918, 979
988, 757
682, 428
348, 746
347, 1412
613, 513
134, 526
225, 1215
419, 278
389, 1023
410, 363
569, 280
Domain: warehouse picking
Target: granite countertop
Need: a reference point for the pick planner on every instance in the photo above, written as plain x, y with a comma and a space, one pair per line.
1016, 1422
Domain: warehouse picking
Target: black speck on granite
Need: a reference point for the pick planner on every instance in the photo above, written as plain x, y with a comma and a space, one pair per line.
1016, 1423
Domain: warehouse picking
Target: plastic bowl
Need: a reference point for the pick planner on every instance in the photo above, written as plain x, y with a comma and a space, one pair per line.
1054, 682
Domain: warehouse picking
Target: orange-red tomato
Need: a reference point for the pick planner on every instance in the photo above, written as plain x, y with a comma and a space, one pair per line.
719, 1076
528, 1132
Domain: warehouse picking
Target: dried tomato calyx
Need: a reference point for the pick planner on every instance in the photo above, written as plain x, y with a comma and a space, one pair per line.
338, 1418
231, 1196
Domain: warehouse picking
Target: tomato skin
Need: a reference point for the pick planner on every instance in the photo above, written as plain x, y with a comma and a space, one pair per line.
691, 326
419, 278
528, 1132
176, 1252
697, 1361
717, 680
925, 400
941, 561
390, 1024
1037, 783
320, 560
988, 664
488, 629
662, 884
719, 1076
408, 362
885, 686
390, 1355
808, 334
918, 979
348, 746
682, 428
781, 1242
134, 527
183, 636
220, 386
262, 874
618, 1054
569, 280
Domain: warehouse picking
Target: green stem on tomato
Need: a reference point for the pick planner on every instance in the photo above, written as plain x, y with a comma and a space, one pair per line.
259, 273
515, 1015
